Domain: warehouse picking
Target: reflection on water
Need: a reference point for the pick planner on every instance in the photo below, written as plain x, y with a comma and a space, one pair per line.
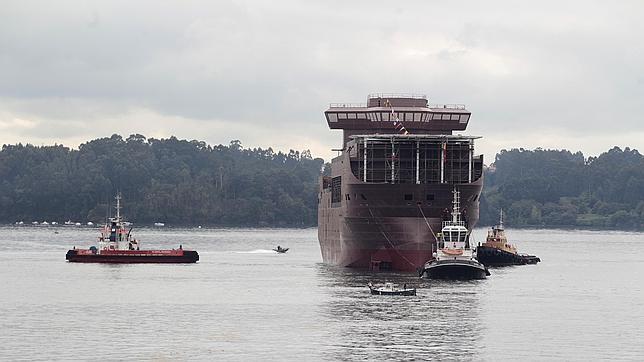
442, 321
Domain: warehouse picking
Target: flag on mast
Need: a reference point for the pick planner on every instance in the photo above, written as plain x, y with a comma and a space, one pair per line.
397, 122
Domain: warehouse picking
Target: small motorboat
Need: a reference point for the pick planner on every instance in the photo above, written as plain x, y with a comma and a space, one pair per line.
280, 250
391, 289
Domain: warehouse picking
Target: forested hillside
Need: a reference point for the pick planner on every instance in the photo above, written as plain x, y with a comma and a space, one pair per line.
559, 188
167, 180
191, 183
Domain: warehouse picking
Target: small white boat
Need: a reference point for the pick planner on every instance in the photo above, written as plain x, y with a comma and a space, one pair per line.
44, 223
77, 224
34, 223
159, 224
89, 223
391, 289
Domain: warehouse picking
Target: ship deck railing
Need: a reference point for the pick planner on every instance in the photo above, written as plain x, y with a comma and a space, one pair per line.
452, 223
347, 105
447, 106
397, 95
411, 136
460, 107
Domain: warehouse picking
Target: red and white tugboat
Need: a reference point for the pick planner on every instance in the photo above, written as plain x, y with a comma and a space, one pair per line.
117, 245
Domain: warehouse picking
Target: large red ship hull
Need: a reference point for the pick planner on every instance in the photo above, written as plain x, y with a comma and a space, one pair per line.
386, 234
132, 256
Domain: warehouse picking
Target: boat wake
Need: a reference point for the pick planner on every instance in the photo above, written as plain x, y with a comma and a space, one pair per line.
257, 251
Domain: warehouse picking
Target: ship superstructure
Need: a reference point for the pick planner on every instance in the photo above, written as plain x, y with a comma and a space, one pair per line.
391, 184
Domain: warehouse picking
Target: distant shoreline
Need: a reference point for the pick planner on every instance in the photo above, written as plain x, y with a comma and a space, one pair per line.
210, 227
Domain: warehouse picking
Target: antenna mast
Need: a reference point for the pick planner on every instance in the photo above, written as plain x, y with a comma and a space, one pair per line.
456, 213
118, 206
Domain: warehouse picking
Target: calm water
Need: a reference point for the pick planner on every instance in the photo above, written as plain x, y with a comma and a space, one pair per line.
243, 302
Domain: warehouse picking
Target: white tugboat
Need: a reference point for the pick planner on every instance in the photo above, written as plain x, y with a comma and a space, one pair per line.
454, 258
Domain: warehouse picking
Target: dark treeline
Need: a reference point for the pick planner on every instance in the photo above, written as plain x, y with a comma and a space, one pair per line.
560, 188
191, 183
167, 180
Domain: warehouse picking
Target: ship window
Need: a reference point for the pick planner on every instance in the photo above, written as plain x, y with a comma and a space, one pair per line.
464, 118
454, 117
430, 197
346, 196
446, 117
332, 117
417, 117
336, 189
352, 116
342, 116
409, 197
384, 116
361, 115
446, 236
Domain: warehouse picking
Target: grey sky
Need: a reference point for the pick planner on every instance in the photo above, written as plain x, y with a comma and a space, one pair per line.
555, 74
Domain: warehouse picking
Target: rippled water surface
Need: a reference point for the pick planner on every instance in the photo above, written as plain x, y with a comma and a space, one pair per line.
244, 302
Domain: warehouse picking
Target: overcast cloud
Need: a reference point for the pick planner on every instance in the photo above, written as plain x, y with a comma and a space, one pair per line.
552, 74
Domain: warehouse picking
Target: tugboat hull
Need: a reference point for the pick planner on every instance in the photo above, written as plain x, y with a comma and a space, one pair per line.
454, 269
496, 257
132, 256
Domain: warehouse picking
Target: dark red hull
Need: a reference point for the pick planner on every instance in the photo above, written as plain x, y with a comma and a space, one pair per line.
386, 232
385, 259
133, 256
